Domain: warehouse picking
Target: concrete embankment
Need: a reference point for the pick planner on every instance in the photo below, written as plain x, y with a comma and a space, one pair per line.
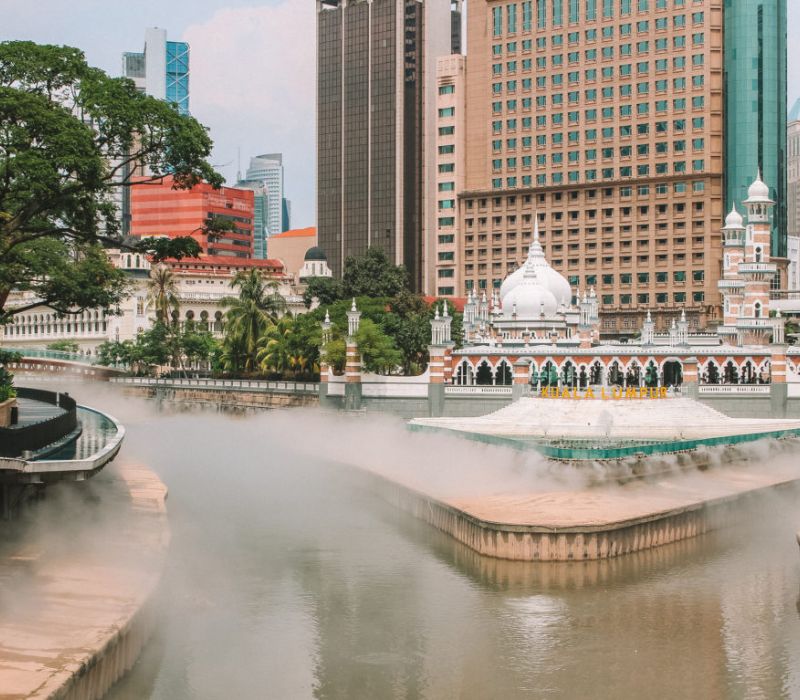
594, 523
77, 595
225, 399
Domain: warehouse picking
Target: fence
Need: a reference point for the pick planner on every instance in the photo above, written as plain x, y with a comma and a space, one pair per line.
223, 384
734, 389
28, 438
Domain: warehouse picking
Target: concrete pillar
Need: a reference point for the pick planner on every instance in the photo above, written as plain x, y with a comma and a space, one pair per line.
521, 386
690, 381
352, 387
778, 390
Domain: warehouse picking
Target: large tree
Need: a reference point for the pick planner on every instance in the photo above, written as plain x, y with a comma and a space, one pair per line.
71, 139
373, 275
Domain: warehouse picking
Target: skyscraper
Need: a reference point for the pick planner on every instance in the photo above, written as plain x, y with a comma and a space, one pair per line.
162, 69
260, 215
607, 120
376, 107
269, 169
755, 104
793, 171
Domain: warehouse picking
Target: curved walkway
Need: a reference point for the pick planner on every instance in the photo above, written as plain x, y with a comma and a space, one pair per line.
75, 588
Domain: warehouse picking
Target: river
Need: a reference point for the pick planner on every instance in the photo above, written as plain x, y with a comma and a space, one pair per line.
287, 580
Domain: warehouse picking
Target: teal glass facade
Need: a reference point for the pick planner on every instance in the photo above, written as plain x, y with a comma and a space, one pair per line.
755, 105
178, 75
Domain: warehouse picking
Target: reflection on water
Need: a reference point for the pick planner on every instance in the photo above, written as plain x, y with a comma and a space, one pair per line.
96, 431
286, 581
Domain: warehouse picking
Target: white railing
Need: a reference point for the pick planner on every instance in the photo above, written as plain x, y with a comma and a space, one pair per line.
477, 390
235, 384
735, 389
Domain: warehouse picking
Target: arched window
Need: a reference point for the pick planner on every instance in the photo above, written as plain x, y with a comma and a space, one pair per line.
757, 309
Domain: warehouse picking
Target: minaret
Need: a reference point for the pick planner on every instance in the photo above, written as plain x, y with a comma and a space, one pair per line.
648, 330
754, 325
352, 388
731, 286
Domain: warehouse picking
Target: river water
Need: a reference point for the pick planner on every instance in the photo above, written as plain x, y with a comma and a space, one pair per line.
288, 580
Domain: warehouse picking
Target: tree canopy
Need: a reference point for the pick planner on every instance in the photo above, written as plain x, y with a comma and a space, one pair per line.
71, 138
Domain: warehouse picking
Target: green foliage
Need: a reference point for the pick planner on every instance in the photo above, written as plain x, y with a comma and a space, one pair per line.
291, 347
70, 138
6, 378
373, 275
378, 351
162, 293
249, 316
326, 290
63, 346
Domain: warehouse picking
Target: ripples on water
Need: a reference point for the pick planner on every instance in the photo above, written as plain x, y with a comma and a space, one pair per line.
287, 580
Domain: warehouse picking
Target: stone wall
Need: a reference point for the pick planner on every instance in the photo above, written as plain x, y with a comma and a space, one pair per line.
225, 398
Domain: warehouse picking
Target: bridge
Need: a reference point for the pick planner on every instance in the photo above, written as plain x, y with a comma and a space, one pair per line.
68, 364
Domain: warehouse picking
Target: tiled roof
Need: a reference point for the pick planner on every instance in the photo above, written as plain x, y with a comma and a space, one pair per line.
309, 232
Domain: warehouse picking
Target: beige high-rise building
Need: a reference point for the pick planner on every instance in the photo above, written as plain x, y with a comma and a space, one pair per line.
604, 118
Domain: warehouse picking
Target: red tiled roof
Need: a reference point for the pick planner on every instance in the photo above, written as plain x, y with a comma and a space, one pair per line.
297, 233
227, 261
458, 302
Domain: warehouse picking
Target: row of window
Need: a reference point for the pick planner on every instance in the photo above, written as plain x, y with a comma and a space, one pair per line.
513, 17
591, 135
624, 70
590, 115
626, 278
591, 175
591, 154
590, 95
607, 53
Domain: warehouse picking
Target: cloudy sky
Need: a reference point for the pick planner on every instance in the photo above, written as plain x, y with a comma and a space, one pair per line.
252, 67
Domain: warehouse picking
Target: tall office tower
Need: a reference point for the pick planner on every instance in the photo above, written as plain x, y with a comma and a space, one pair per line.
755, 105
376, 116
269, 169
162, 69
606, 119
793, 170
260, 215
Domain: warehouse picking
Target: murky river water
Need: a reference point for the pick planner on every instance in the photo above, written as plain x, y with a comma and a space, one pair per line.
286, 580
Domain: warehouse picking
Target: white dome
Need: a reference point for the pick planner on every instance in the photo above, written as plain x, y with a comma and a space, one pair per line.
530, 298
546, 276
511, 281
758, 191
734, 220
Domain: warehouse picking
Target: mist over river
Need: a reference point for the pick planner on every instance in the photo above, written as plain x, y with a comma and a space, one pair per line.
288, 579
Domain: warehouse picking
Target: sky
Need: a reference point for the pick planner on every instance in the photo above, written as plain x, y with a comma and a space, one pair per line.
252, 68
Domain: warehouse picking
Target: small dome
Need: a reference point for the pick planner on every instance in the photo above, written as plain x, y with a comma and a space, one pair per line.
315, 253
734, 220
530, 298
758, 191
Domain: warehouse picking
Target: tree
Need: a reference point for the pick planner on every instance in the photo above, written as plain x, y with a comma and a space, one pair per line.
248, 317
326, 290
377, 350
373, 275
162, 293
70, 138
63, 346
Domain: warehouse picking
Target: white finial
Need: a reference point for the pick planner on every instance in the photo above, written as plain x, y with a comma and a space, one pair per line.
327, 316
649, 317
683, 315
673, 324
353, 307
445, 312
536, 228
592, 293
437, 312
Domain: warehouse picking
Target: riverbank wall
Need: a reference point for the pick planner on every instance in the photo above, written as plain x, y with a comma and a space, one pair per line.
225, 398
528, 535
75, 622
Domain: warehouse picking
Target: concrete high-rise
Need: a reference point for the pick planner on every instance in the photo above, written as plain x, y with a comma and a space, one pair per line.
607, 120
376, 119
162, 69
793, 170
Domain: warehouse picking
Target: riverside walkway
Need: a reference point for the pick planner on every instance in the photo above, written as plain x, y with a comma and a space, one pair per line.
31, 411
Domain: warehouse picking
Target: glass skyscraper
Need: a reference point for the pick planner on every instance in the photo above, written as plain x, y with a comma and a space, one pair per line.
755, 104
162, 69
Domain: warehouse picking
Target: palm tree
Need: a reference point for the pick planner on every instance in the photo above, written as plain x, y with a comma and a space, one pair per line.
162, 292
256, 309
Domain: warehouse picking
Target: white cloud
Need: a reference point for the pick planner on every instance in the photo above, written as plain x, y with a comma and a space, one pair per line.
253, 82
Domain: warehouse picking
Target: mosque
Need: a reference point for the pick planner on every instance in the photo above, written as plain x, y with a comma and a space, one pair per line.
536, 330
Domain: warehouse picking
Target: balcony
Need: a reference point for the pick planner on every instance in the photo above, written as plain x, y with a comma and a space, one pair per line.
757, 269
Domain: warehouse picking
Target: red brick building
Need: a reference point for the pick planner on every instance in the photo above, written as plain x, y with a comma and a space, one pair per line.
157, 209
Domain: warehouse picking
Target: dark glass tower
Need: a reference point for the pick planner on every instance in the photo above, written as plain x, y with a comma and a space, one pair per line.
371, 125
755, 105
